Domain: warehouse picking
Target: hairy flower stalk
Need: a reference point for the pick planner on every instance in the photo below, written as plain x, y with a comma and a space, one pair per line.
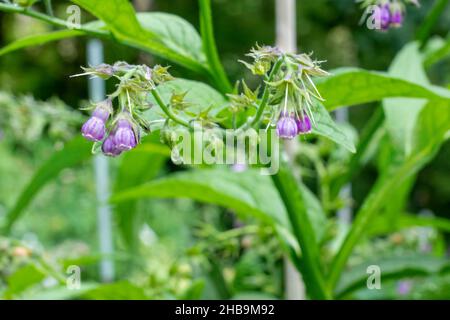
291, 89
385, 14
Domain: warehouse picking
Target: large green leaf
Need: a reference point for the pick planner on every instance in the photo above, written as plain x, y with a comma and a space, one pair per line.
351, 86
166, 35
118, 15
175, 32
72, 154
401, 113
116, 291
39, 39
248, 193
327, 128
392, 268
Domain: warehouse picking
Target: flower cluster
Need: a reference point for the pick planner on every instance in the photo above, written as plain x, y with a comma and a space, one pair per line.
118, 129
291, 89
386, 13
287, 103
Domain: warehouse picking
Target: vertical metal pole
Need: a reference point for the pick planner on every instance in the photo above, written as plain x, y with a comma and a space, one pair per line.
104, 225
286, 33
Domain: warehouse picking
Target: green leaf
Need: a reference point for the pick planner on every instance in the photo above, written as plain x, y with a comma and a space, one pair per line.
137, 167
438, 54
315, 212
123, 290
163, 35
431, 129
351, 86
327, 128
404, 221
401, 113
392, 268
118, 15
72, 154
23, 278
248, 193
39, 39
431, 19
175, 32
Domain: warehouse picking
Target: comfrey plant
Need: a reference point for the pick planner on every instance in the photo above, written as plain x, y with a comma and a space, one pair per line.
385, 14
286, 103
118, 129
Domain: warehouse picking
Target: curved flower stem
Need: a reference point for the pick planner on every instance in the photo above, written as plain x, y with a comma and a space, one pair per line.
53, 20
167, 111
266, 93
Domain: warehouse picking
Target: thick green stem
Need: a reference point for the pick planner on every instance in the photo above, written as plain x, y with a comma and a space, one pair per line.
209, 46
167, 111
309, 264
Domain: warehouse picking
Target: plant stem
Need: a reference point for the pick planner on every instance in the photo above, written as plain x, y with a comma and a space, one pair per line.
210, 48
53, 20
48, 7
309, 263
266, 93
167, 111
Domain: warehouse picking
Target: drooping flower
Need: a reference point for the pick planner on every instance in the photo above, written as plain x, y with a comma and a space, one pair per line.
124, 135
109, 148
382, 16
396, 18
303, 124
94, 129
286, 127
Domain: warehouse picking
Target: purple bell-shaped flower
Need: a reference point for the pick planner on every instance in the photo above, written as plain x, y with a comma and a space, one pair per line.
303, 124
286, 127
124, 136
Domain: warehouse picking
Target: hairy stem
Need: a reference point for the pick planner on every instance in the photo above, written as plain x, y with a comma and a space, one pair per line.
167, 111
266, 94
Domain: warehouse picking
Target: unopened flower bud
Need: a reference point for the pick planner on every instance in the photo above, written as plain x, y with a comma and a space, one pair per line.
94, 129
109, 148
